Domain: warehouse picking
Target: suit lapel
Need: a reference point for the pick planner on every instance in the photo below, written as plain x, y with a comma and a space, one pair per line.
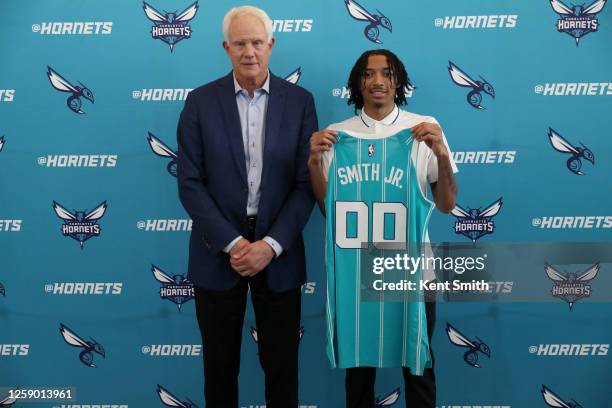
276, 104
232, 123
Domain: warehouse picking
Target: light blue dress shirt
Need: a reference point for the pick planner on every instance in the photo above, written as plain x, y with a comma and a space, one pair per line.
252, 112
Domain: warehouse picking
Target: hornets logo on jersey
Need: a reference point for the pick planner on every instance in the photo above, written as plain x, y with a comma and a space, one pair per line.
373, 205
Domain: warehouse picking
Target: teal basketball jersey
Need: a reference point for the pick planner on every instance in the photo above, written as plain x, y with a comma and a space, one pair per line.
373, 202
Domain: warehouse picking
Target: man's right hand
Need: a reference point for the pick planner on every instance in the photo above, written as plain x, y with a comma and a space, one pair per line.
242, 242
320, 142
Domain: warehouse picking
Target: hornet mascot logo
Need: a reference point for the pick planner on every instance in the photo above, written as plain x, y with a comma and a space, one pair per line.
2, 291
170, 400
170, 28
474, 97
569, 286
371, 31
80, 225
89, 347
175, 288
388, 400
1, 143
161, 149
474, 223
9, 400
474, 346
294, 77
577, 21
553, 400
76, 92
574, 163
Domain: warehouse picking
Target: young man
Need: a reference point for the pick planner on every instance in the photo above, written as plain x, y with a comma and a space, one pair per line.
356, 329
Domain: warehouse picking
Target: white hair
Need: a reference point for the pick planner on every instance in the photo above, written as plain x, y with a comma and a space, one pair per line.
246, 10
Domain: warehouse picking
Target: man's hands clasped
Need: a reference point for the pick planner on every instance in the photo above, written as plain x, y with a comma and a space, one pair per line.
250, 258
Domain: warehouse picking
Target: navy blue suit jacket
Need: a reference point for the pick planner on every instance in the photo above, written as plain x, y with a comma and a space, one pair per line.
212, 180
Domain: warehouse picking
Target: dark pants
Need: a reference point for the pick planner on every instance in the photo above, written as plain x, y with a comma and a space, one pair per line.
220, 316
420, 391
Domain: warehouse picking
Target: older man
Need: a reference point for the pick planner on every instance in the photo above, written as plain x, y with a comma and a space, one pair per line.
243, 178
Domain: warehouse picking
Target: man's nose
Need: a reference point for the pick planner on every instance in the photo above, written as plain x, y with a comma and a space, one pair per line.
249, 50
378, 79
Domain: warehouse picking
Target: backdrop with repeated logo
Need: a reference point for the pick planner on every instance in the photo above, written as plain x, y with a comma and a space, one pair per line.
93, 238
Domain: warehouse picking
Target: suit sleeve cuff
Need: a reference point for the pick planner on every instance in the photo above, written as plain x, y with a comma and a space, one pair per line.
229, 246
278, 249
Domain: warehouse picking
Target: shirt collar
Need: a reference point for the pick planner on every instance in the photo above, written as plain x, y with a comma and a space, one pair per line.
390, 119
265, 86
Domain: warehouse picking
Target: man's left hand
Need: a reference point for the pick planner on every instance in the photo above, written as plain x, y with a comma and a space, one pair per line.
253, 258
431, 134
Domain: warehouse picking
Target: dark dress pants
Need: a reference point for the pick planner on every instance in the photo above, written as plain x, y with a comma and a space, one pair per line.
220, 315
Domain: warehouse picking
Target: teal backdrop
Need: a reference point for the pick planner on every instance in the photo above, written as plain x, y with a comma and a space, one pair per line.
108, 171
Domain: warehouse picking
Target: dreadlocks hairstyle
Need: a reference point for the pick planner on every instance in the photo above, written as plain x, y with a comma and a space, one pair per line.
398, 73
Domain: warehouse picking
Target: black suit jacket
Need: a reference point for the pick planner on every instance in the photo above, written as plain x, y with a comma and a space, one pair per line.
212, 180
